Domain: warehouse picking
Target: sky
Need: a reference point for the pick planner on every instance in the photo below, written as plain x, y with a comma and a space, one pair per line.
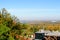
33, 9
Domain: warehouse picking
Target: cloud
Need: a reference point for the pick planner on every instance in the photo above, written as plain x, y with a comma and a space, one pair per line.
35, 13
31, 10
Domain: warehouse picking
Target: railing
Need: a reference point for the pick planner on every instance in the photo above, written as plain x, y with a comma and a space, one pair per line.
50, 38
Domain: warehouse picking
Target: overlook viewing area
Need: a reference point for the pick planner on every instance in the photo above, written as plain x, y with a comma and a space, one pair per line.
47, 35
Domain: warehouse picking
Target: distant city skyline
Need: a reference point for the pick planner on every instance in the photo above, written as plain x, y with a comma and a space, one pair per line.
33, 9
